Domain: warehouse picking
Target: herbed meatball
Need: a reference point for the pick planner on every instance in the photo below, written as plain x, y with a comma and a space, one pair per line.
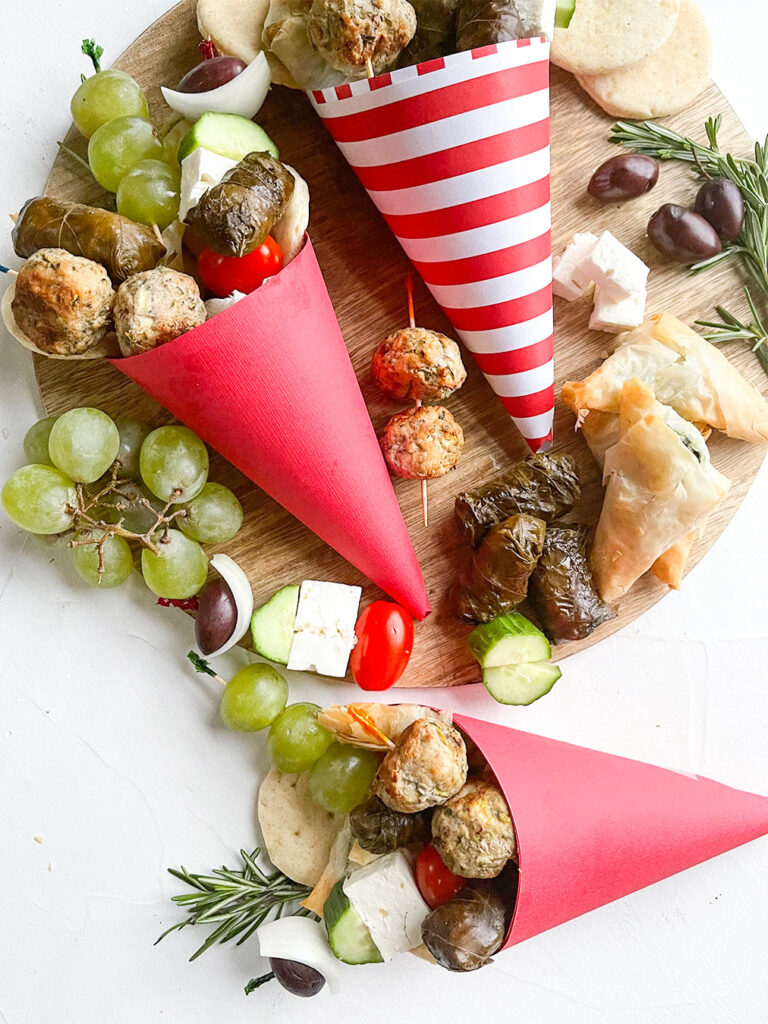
418, 364
63, 303
422, 443
426, 767
473, 831
154, 307
348, 32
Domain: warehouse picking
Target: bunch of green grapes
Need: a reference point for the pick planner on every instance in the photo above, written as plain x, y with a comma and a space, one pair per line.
125, 153
340, 775
116, 486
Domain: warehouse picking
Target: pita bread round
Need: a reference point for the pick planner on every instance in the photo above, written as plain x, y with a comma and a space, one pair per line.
298, 833
233, 26
106, 348
663, 83
607, 34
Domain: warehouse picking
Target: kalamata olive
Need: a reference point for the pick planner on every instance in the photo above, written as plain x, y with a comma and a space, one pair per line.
721, 203
216, 616
683, 234
297, 978
623, 177
211, 74
465, 932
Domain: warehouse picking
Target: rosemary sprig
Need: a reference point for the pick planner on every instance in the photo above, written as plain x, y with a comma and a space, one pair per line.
751, 177
236, 901
730, 328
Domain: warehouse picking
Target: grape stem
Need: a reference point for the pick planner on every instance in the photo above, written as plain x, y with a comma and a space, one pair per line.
89, 511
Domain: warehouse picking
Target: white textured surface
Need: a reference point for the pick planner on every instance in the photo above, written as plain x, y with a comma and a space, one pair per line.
111, 753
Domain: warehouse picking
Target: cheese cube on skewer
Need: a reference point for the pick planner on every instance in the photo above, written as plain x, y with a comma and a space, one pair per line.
388, 900
324, 630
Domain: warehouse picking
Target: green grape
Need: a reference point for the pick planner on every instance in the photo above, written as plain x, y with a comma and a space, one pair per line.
118, 561
38, 498
253, 699
296, 740
342, 776
149, 194
213, 517
84, 444
104, 97
178, 570
132, 433
128, 506
36, 442
174, 459
173, 139
118, 146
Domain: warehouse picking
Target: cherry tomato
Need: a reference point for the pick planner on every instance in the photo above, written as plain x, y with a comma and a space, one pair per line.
436, 883
384, 643
223, 275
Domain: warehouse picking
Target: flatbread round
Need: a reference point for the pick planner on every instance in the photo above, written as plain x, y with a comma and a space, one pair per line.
607, 34
298, 833
665, 82
106, 348
233, 26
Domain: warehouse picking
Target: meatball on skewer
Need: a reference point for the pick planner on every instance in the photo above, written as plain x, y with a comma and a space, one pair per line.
427, 766
473, 831
418, 364
422, 443
359, 37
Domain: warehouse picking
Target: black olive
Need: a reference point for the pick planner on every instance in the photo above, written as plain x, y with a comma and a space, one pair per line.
683, 234
299, 979
623, 177
721, 203
216, 616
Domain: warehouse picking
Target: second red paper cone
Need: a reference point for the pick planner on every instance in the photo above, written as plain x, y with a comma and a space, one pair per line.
269, 384
455, 155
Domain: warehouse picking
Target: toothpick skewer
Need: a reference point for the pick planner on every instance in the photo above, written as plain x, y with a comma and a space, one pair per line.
7, 270
412, 323
369, 67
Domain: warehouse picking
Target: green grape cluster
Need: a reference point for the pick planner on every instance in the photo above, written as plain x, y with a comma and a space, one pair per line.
125, 152
117, 487
255, 698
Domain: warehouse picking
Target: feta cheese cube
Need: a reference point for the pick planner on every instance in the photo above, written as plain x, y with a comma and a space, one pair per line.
199, 171
324, 630
568, 280
616, 271
617, 316
388, 900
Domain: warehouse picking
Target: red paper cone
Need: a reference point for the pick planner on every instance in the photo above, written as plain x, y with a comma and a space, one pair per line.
269, 384
455, 155
592, 827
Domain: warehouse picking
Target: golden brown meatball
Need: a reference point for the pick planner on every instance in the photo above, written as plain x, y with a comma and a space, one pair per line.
154, 307
348, 32
418, 364
63, 304
426, 767
473, 831
422, 443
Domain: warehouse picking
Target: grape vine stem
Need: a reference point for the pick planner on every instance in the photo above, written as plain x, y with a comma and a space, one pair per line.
89, 510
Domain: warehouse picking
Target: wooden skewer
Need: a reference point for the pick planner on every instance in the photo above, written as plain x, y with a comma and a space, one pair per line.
412, 323
369, 67
7, 270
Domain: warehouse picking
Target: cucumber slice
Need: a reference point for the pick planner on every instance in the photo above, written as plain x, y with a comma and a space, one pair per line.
520, 684
508, 640
350, 940
228, 135
272, 625
564, 12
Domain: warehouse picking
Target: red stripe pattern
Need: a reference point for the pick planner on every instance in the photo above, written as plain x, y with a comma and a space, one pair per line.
455, 153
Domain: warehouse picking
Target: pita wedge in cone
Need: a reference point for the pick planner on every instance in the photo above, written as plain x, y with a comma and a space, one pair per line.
269, 384
455, 155
592, 827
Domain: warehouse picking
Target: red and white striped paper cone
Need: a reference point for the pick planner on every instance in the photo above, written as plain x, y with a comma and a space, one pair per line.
455, 155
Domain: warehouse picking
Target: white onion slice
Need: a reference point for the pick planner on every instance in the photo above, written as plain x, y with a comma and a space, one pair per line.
303, 940
238, 583
243, 94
